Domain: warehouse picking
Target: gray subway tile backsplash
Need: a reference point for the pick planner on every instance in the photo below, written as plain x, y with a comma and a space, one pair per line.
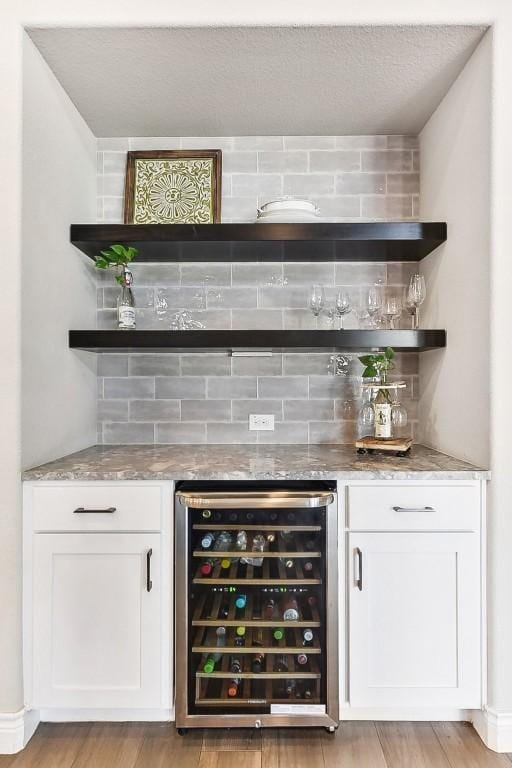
154, 410
154, 365
207, 397
272, 387
232, 387
206, 410
183, 433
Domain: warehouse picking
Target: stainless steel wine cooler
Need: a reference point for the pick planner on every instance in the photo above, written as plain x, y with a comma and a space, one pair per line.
256, 605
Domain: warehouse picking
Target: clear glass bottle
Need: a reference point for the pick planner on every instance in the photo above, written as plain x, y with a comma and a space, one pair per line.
126, 302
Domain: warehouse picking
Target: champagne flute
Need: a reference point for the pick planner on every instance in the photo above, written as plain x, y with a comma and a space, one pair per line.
392, 310
316, 300
343, 306
416, 294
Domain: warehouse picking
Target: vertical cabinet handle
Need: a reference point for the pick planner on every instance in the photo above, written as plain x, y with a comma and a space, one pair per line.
359, 580
149, 583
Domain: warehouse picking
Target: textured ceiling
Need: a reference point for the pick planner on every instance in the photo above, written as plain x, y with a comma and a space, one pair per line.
257, 80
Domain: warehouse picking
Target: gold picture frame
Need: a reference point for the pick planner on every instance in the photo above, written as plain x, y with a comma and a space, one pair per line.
173, 186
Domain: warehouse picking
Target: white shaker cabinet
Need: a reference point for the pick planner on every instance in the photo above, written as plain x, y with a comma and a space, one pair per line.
98, 599
97, 620
414, 600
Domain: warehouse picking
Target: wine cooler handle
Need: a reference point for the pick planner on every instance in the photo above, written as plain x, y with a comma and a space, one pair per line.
414, 509
149, 583
359, 580
84, 511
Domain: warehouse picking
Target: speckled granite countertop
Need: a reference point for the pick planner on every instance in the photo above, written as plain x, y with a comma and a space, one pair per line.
248, 462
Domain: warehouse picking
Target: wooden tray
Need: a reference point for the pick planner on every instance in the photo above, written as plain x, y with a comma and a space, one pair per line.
399, 446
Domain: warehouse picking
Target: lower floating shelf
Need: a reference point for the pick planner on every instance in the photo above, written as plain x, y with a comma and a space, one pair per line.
263, 340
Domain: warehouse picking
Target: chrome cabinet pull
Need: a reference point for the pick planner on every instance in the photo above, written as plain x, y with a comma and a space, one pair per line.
84, 511
414, 509
149, 583
359, 580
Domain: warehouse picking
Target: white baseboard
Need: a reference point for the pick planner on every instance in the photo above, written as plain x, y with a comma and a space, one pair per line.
494, 728
16, 729
106, 715
405, 713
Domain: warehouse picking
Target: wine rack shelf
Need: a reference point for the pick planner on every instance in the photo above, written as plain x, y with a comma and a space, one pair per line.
208, 613
260, 641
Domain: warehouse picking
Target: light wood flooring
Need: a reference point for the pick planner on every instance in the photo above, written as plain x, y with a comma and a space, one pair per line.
355, 745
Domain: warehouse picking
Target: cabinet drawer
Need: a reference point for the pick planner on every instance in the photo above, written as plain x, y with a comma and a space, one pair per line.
389, 506
97, 507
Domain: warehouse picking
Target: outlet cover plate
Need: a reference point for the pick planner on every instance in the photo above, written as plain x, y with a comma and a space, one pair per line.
261, 421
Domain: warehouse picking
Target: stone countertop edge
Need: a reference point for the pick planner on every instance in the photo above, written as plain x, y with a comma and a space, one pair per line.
253, 462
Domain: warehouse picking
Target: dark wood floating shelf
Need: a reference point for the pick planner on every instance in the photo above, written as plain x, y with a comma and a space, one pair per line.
274, 340
324, 241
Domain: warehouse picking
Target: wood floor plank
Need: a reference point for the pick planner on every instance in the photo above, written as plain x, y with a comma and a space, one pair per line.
406, 744
354, 745
291, 748
162, 747
229, 759
111, 745
465, 749
54, 745
236, 739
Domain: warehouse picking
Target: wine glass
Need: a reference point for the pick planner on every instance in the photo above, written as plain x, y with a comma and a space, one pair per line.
316, 300
366, 417
161, 304
392, 310
416, 294
342, 305
373, 303
398, 414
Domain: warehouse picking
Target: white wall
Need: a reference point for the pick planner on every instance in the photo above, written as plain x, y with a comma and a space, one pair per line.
455, 148
59, 292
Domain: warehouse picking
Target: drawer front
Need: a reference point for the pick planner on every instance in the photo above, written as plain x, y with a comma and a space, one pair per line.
395, 507
97, 507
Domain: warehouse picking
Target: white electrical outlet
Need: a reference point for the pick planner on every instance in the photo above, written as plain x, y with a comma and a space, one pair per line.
258, 421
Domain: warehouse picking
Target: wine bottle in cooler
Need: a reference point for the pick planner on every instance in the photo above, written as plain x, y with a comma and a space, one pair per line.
258, 663
207, 540
290, 608
233, 687
221, 642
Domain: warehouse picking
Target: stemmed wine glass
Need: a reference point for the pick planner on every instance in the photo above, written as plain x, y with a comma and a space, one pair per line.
343, 306
366, 417
398, 412
316, 300
373, 303
392, 310
416, 294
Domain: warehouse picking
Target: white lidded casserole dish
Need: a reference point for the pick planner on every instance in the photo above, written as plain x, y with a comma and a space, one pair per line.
288, 209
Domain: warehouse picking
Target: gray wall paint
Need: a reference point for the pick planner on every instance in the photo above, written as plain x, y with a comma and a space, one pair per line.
197, 398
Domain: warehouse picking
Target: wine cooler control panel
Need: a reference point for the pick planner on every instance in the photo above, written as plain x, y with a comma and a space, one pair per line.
255, 588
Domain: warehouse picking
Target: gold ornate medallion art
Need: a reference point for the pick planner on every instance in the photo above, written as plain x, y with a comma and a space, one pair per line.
173, 187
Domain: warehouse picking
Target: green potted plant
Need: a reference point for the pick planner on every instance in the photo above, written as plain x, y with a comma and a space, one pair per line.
117, 257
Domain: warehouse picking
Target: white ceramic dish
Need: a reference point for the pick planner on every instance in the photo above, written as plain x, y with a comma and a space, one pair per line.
288, 209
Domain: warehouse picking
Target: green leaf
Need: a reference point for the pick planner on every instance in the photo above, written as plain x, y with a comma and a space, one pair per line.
102, 263
390, 353
367, 359
118, 249
369, 372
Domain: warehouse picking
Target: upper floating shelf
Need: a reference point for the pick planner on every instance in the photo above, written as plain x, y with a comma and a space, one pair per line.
325, 241
272, 340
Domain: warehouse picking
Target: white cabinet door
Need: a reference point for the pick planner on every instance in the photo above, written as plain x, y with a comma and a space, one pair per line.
414, 605
97, 631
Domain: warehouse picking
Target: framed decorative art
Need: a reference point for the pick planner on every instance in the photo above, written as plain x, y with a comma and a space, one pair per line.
173, 187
